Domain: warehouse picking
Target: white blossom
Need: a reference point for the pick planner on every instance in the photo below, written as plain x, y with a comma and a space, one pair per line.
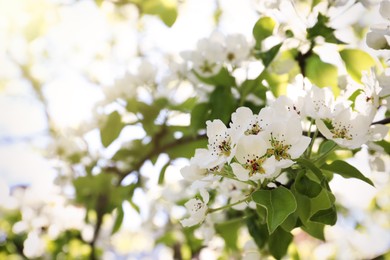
384, 9
197, 208
319, 102
237, 49
252, 162
379, 37
348, 129
221, 149
285, 141
244, 122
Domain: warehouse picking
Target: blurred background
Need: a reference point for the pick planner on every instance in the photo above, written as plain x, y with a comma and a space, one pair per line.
56, 59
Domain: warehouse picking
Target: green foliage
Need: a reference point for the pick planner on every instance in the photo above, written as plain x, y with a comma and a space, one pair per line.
356, 61
263, 28
165, 9
100, 192
279, 242
229, 232
279, 203
268, 56
321, 73
222, 78
322, 29
385, 145
222, 104
111, 129
199, 116
346, 170
306, 186
258, 230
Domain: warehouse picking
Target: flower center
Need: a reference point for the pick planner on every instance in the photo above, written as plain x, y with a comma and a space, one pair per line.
279, 149
255, 166
254, 130
341, 131
225, 147
230, 56
197, 206
207, 67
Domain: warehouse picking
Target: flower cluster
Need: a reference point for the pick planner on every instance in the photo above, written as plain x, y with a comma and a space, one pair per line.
257, 148
212, 53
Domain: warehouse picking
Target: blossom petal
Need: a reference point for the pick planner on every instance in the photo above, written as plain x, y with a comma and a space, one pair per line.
323, 129
299, 148
252, 145
241, 173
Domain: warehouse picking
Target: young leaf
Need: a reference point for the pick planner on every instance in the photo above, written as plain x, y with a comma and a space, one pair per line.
346, 170
279, 203
279, 242
223, 78
165, 9
229, 232
321, 73
259, 232
162, 173
222, 104
268, 56
119, 220
306, 186
112, 128
253, 86
385, 145
356, 61
314, 229
322, 29
310, 166
325, 216
263, 28
199, 115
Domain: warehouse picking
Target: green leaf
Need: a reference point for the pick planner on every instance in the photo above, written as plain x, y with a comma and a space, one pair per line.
268, 56
263, 28
322, 29
223, 78
346, 170
356, 61
229, 232
118, 220
259, 232
321, 73
326, 146
222, 104
185, 149
310, 166
162, 173
279, 242
314, 229
291, 221
325, 216
306, 186
253, 86
279, 203
199, 116
112, 128
385, 145
165, 9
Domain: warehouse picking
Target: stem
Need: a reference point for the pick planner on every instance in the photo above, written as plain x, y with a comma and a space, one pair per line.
310, 148
235, 179
210, 210
383, 121
326, 154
